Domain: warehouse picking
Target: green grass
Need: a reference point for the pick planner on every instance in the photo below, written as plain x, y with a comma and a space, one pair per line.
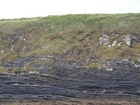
61, 34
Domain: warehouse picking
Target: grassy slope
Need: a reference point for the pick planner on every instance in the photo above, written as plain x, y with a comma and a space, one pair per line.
61, 34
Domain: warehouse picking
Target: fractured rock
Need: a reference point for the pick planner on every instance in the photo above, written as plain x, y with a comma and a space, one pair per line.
104, 39
129, 39
114, 43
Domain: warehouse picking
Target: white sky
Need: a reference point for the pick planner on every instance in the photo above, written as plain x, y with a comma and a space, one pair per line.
35, 8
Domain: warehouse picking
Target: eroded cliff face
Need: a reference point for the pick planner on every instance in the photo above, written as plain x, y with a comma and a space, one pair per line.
60, 76
51, 78
84, 64
85, 54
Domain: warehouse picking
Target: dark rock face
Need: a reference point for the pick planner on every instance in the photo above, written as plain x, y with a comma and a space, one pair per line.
116, 79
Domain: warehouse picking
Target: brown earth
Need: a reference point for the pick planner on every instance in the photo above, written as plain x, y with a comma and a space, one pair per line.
78, 102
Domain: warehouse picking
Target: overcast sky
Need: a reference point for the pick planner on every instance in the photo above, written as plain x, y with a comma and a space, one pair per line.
34, 8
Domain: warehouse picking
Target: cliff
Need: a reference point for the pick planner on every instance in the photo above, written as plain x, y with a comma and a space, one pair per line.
81, 56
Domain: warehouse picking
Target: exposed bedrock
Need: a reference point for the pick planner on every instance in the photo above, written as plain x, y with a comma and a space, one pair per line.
115, 79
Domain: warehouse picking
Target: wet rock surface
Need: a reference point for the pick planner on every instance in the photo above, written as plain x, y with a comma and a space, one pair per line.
62, 80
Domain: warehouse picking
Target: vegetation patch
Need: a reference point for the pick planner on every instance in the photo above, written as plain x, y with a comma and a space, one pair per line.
2, 69
75, 35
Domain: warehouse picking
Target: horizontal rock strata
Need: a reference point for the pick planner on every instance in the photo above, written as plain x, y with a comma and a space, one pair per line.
116, 79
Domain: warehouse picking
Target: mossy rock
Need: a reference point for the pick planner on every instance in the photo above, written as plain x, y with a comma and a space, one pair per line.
2, 69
